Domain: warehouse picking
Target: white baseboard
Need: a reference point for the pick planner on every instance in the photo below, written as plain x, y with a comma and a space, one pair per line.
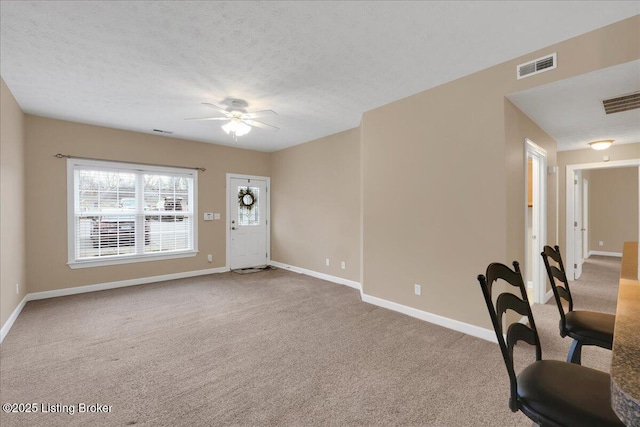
9, 323
476, 331
603, 253
327, 277
100, 287
456, 325
123, 283
548, 296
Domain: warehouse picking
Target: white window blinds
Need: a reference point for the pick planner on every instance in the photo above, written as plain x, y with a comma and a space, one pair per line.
129, 212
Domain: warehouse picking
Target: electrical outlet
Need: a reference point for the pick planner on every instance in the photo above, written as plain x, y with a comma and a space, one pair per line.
17, 288
327, 261
343, 265
417, 289
210, 258
600, 243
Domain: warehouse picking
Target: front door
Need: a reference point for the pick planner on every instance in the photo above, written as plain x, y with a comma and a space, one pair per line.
248, 222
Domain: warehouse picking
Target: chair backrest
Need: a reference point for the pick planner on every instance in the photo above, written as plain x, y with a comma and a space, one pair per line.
559, 282
516, 331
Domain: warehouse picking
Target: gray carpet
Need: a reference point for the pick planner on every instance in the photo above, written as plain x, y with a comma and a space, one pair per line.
272, 348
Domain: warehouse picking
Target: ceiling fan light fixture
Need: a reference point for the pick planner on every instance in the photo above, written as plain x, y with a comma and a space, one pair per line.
601, 144
236, 127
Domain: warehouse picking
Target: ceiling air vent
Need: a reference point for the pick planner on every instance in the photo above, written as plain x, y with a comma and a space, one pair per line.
537, 66
622, 103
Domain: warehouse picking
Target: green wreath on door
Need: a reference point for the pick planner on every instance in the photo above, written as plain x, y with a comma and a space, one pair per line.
247, 198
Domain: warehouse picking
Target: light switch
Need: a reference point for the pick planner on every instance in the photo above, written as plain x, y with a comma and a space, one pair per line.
216, 216
208, 216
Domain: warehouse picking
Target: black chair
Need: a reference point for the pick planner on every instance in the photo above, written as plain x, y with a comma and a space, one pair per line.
585, 327
549, 392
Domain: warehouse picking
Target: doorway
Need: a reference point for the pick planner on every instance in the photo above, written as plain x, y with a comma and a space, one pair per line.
574, 255
535, 220
248, 211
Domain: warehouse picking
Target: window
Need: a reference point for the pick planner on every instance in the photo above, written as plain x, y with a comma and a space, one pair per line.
250, 215
121, 212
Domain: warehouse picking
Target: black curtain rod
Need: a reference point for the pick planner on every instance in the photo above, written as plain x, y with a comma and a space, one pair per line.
67, 156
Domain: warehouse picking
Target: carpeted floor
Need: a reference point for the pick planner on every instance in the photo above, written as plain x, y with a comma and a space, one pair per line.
272, 348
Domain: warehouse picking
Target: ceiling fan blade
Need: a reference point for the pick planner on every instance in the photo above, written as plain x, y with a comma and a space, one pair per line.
209, 118
260, 125
215, 107
256, 114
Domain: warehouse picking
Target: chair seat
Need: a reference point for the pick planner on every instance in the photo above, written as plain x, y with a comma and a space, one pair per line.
592, 325
567, 394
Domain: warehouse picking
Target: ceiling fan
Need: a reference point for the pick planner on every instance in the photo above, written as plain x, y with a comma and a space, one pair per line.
239, 120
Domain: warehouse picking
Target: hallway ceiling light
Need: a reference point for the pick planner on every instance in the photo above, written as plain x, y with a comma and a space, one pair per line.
601, 144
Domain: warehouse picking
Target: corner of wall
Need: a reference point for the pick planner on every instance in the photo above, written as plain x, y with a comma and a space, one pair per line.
13, 280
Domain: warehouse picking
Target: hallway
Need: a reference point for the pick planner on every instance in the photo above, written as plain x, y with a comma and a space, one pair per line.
596, 290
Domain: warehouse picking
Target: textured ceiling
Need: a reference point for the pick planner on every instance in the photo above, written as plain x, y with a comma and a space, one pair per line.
320, 65
571, 110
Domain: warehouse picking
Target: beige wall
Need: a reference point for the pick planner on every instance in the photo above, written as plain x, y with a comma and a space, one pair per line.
315, 205
613, 208
441, 189
46, 196
587, 155
12, 204
442, 180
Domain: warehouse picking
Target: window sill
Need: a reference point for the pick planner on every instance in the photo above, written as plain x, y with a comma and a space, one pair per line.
130, 259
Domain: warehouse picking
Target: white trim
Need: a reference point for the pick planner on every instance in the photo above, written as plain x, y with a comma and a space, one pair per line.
456, 325
9, 323
76, 164
548, 296
134, 258
539, 215
603, 253
569, 208
100, 287
123, 283
327, 277
228, 212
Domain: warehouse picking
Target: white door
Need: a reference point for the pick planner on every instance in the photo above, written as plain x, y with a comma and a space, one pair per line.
248, 222
585, 219
536, 218
577, 225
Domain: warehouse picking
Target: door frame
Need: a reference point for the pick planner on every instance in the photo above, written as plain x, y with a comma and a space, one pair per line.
228, 213
540, 211
579, 203
568, 204
585, 218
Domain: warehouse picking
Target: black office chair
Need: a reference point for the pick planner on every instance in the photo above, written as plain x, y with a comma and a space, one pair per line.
549, 392
585, 327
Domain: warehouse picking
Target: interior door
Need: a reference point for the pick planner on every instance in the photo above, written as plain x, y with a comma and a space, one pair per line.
577, 225
248, 211
585, 218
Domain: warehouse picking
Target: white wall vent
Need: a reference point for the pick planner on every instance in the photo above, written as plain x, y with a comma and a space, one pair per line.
537, 66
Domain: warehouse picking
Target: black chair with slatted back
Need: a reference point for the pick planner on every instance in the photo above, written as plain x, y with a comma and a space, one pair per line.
585, 327
549, 392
